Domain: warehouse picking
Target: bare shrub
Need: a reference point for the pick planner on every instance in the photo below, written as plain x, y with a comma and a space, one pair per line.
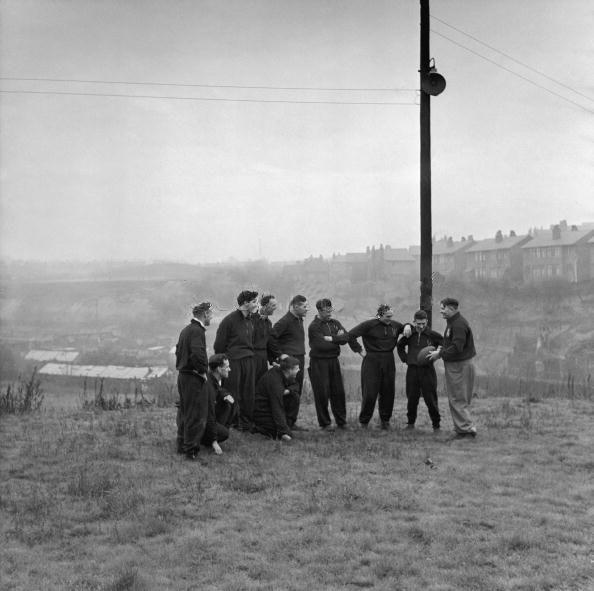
26, 396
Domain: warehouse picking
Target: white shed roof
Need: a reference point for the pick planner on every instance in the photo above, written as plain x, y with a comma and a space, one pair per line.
115, 372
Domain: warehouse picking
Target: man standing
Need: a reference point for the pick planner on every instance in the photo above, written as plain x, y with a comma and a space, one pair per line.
272, 390
264, 347
192, 364
289, 339
457, 353
421, 378
378, 369
235, 338
222, 404
325, 337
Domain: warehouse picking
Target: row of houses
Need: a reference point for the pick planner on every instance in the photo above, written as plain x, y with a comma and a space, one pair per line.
560, 252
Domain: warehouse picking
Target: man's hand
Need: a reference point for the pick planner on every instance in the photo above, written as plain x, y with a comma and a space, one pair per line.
434, 355
229, 399
327, 338
286, 437
363, 354
407, 330
217, 448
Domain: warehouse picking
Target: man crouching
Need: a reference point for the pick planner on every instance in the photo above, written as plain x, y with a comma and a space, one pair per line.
276, 394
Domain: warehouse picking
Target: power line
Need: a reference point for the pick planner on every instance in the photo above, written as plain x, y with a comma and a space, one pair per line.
81, 81
187, 98
512, 72
513, 59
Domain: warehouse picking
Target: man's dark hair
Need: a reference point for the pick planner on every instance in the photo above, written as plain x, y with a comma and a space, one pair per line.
217, 360
266, 298
382, 309
246, 296
288, 363
323, 303
201, 309
298, 299
453, 302
420, 315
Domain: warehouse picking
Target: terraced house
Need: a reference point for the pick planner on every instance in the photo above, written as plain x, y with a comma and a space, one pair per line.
497, 258
559, 253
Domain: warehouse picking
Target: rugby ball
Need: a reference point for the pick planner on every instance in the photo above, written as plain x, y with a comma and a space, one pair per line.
422, 355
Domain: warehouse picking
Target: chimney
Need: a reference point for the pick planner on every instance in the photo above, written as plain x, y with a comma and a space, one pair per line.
563, 224
556, 232
499, 236
450, 242
574, 228
512, 233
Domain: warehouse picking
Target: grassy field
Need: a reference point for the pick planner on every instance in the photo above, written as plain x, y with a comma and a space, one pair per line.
99, 500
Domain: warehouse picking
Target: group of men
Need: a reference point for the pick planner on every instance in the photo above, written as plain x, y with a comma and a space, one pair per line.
254, 380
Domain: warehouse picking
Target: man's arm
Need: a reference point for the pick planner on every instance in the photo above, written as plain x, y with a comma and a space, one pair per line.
198, 356
401, 348
220, 344
276, 393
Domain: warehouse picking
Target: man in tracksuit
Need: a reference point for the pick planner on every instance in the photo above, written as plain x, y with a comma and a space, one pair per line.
421, 378
272, 391
222, 403
235, 338
193, 413
265, 350
457, 353
288, 337
325, 337
378, 369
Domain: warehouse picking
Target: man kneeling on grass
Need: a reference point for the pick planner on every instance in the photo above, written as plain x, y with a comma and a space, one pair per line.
276, 394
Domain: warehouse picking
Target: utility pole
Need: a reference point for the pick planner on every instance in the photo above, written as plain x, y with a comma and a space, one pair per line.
431, 84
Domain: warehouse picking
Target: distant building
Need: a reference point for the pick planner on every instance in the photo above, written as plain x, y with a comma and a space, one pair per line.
352, 266
398, 263
58, 355
111, 372
558, 253
496, 258
449, 257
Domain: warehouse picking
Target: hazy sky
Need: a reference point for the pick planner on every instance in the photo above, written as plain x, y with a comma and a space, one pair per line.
86, 176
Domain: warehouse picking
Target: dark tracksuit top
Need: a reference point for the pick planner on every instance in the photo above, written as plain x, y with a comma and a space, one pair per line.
458, 341
378, 337
415, 343
190, 352
264, 345
289, 336
235, 336
269, 409
322, 349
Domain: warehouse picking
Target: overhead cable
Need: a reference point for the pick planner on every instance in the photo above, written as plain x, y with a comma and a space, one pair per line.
512, 72
513, 59
210, 99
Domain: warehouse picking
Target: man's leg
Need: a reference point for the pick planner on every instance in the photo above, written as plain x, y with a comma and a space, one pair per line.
337, 393
387, 389
293, 408
320, 385
413, 393
428, 384
369, 387
459, 378
195, 406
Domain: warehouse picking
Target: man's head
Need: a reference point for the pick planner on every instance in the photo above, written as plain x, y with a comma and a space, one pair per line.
219, 365
268, 305
448, 307
248, 301
203, 312
420, 320
324, 308
385, 314
290, 367
299, 306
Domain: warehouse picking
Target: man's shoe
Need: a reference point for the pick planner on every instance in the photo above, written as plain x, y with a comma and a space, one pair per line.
192, 455
409, 426
436, 429
328, 428
299, 428
363, 425
343, 427
385, 425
